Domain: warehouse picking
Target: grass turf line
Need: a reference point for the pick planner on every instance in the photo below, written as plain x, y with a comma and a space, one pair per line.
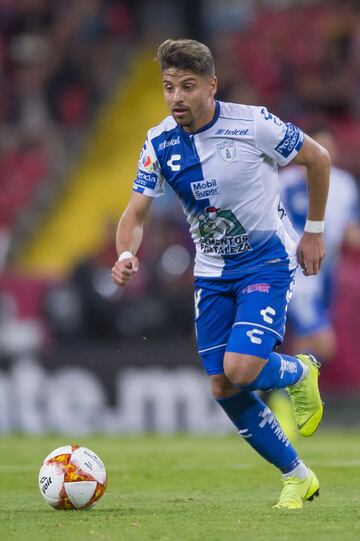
183, 488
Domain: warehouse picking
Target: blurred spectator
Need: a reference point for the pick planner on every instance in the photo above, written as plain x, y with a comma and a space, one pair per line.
4, 244
18, 335
89, 305
310, 307
299, 75
58, 61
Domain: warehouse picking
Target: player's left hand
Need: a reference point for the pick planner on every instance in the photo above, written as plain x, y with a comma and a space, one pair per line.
310, 252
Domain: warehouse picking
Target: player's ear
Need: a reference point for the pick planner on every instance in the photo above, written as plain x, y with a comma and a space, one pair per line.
213, 85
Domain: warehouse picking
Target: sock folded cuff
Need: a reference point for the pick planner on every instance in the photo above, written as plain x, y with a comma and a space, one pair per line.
298, 470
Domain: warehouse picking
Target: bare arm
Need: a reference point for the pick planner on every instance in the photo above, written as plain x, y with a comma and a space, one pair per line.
129, 236
315, 158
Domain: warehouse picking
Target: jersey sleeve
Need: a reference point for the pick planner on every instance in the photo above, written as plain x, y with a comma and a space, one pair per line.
149, 180
279, 140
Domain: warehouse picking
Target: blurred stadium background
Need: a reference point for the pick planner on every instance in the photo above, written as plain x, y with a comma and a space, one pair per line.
78, 91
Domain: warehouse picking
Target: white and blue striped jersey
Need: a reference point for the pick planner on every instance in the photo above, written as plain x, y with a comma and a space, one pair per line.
226, 177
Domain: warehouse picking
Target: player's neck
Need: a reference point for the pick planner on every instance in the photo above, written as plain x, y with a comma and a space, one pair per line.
202, 120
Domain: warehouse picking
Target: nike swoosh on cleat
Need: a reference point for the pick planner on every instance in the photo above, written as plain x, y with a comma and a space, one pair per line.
308, 419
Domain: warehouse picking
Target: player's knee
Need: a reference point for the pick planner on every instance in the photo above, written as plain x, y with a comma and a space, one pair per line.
242, 369
221, 387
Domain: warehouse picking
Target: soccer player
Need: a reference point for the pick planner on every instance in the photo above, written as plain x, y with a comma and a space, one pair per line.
309, 307
222, 161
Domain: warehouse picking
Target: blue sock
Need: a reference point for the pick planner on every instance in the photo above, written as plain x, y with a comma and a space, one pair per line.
280, 371
260, 428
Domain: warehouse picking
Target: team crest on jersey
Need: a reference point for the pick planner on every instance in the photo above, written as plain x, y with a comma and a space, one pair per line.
227, 150
222, 233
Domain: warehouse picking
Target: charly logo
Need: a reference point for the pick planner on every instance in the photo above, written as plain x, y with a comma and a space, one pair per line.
221, 232
254, 335
227, 150
171, 162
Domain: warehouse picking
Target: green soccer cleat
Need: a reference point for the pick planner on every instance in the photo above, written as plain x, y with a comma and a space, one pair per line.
305, 396
297, 491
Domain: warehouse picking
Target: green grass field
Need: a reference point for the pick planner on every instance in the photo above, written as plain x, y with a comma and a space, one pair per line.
183, 488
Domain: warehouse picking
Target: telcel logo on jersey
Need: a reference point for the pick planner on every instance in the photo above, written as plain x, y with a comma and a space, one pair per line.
235, 132
204, 188
172, 142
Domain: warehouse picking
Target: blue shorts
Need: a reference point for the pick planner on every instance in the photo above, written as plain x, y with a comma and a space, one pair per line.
308, 309
244, 315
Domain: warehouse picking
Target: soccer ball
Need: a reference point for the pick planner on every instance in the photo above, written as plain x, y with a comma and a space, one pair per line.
72, 477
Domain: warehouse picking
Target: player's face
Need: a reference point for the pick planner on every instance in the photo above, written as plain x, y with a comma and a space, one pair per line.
189, 97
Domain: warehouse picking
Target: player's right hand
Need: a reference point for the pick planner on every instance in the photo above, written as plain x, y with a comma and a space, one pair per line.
310, 252
123, 270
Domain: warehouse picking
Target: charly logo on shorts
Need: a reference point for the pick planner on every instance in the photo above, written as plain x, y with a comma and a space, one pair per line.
221, 232
227, 150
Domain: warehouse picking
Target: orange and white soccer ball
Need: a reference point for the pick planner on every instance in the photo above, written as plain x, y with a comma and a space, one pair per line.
72, 477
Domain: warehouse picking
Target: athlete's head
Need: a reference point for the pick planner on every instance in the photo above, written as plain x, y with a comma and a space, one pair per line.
188, 76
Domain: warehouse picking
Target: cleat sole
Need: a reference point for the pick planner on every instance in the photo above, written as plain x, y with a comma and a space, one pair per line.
313, 496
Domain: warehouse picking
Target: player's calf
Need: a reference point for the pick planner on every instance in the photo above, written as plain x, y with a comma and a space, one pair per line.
221, 387
242, 369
